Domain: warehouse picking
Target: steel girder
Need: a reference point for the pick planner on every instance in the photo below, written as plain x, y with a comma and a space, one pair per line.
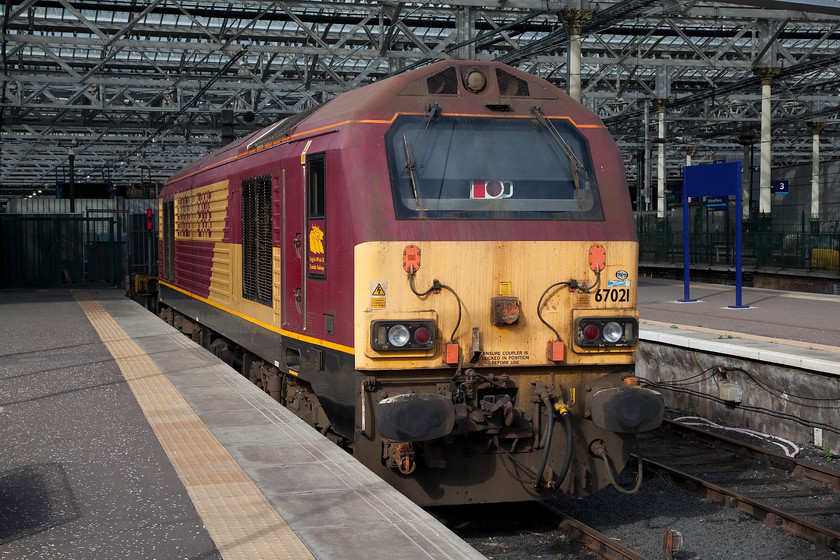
137, 89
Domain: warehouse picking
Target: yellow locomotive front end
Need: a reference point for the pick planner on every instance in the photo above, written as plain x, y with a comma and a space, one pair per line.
498, 371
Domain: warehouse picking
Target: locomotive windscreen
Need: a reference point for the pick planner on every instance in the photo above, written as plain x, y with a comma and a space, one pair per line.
454, 167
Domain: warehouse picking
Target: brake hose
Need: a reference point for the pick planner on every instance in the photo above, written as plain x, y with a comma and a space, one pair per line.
549, 431
601, 451
567, 460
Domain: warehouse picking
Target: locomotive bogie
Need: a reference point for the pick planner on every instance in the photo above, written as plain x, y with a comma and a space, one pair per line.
500, 430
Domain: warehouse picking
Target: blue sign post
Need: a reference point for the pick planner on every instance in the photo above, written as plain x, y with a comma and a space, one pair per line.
718, 180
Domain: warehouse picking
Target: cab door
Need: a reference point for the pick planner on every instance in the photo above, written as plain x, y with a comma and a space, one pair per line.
303, 231
292, 241
316, 265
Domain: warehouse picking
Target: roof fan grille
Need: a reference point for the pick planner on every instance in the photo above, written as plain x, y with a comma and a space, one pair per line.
510, 85
444, 82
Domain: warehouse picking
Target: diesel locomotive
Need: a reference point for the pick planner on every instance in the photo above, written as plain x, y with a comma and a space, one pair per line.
438, 271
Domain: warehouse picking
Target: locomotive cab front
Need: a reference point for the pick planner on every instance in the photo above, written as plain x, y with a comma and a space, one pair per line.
500, 300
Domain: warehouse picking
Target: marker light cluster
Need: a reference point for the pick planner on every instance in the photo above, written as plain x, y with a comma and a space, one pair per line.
610, 331
386, 336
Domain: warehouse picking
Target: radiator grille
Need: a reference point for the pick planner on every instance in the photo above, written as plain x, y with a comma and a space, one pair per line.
256, 240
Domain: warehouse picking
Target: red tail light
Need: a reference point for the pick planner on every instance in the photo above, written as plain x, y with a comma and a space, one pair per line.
591, 332
422, 335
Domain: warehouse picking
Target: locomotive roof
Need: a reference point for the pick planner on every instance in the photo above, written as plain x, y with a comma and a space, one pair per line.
411, 91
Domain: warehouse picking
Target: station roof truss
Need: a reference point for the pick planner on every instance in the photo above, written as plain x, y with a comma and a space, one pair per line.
138, 89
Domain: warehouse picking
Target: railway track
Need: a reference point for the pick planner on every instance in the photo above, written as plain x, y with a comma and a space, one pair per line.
591, 539
530, 531
800, 497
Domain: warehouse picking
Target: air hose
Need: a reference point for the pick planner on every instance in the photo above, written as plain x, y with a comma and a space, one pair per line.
549, 431
600, 450
567, 460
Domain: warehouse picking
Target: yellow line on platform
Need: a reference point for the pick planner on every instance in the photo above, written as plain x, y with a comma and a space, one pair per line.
238, 517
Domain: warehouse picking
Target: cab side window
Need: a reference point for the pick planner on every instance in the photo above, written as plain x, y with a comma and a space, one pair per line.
316, 216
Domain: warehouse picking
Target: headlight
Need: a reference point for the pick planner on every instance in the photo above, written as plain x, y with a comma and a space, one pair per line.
612, 332
398, 335
607, 331
390, 335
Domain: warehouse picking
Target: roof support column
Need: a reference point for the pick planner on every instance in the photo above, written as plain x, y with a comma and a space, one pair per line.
765, 188
815, 127
746, 178
574, 23
646, 191
689, 151
465, 23
660, 167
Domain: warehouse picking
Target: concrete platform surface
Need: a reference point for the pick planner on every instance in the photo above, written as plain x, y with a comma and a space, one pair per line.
124, 439
796, 323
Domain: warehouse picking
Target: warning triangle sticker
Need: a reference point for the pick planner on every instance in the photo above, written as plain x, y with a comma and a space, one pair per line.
378, 291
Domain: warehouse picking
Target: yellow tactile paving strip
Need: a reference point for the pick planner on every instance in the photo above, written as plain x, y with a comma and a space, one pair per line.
241, 522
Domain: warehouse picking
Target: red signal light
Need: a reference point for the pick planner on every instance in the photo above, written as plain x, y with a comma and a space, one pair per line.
422, 335
494, 189
149, 220
591, 332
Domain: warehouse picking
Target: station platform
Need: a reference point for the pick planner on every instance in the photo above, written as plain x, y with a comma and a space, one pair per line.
772, 365
124, 439
791, 317
788, 328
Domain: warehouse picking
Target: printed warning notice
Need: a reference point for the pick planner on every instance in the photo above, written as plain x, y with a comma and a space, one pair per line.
378, 295
506, 357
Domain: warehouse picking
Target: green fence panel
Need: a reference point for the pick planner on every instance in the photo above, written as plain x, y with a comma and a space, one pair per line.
660, 242
58, 250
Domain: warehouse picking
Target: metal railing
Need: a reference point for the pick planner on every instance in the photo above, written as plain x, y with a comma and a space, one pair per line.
660, 242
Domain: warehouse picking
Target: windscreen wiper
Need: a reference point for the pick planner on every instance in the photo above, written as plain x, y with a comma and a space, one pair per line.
432, 114
574, 162
411, 165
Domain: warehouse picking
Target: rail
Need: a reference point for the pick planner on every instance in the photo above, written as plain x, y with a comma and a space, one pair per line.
822, 537
591, 539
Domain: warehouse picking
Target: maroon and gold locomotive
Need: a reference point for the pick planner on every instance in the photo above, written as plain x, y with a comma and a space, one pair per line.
434, 270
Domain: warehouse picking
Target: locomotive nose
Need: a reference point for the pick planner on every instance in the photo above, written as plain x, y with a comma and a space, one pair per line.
627, 409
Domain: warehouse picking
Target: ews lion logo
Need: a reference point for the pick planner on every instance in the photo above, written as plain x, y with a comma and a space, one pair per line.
316, 240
